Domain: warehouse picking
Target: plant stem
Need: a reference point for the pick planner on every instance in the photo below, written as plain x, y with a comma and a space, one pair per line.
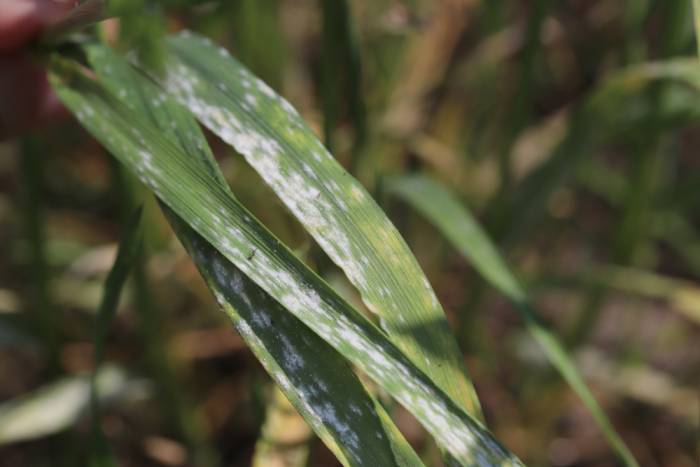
32, 166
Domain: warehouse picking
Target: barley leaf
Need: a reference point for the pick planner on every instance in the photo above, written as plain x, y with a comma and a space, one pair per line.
331, 204
211, 211
314, 376
457, 224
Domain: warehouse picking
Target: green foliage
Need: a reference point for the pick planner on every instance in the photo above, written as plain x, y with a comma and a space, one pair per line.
460, 227
319, 390
210, 210
126, 256
391, 112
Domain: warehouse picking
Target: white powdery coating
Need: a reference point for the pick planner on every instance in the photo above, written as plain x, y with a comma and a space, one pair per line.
301, 301
250, 99
265, 89
146, 165
444, 424
314, 395
263, 154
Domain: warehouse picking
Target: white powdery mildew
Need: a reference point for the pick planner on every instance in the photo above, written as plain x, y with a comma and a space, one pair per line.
445, 426
421, 400
349, 437
308, 170
382, 324
251, 338
250, 99
263, 154
146, 164
237, 283
419, 397
313, 396
292, 360
289, 109
264, 88
356, 192
219, 299
88, 110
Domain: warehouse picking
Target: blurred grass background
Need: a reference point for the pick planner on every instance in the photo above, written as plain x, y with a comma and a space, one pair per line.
566, 126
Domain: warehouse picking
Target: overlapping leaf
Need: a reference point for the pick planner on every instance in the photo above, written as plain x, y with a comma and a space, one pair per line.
323, 389
331, 204
458, 225
211, 211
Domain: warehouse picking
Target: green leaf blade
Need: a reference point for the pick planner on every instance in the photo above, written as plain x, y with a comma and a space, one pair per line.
325, 390
337, 211
224, 223
459, 226
100, 455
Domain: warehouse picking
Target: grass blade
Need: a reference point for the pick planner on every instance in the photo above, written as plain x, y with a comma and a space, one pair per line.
341, 58
222, 221
59, 405
601, 117
458, 225
270, 331
696, 22
100, 455
32, 170
126, 256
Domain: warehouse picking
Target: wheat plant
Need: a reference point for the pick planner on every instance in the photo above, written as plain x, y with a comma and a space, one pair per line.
336, 365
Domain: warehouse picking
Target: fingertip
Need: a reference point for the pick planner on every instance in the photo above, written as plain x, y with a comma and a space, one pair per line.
21, 20
18, 23
51, 108
26, 98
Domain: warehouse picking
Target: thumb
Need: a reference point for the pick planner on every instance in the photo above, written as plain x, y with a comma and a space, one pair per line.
26, 99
